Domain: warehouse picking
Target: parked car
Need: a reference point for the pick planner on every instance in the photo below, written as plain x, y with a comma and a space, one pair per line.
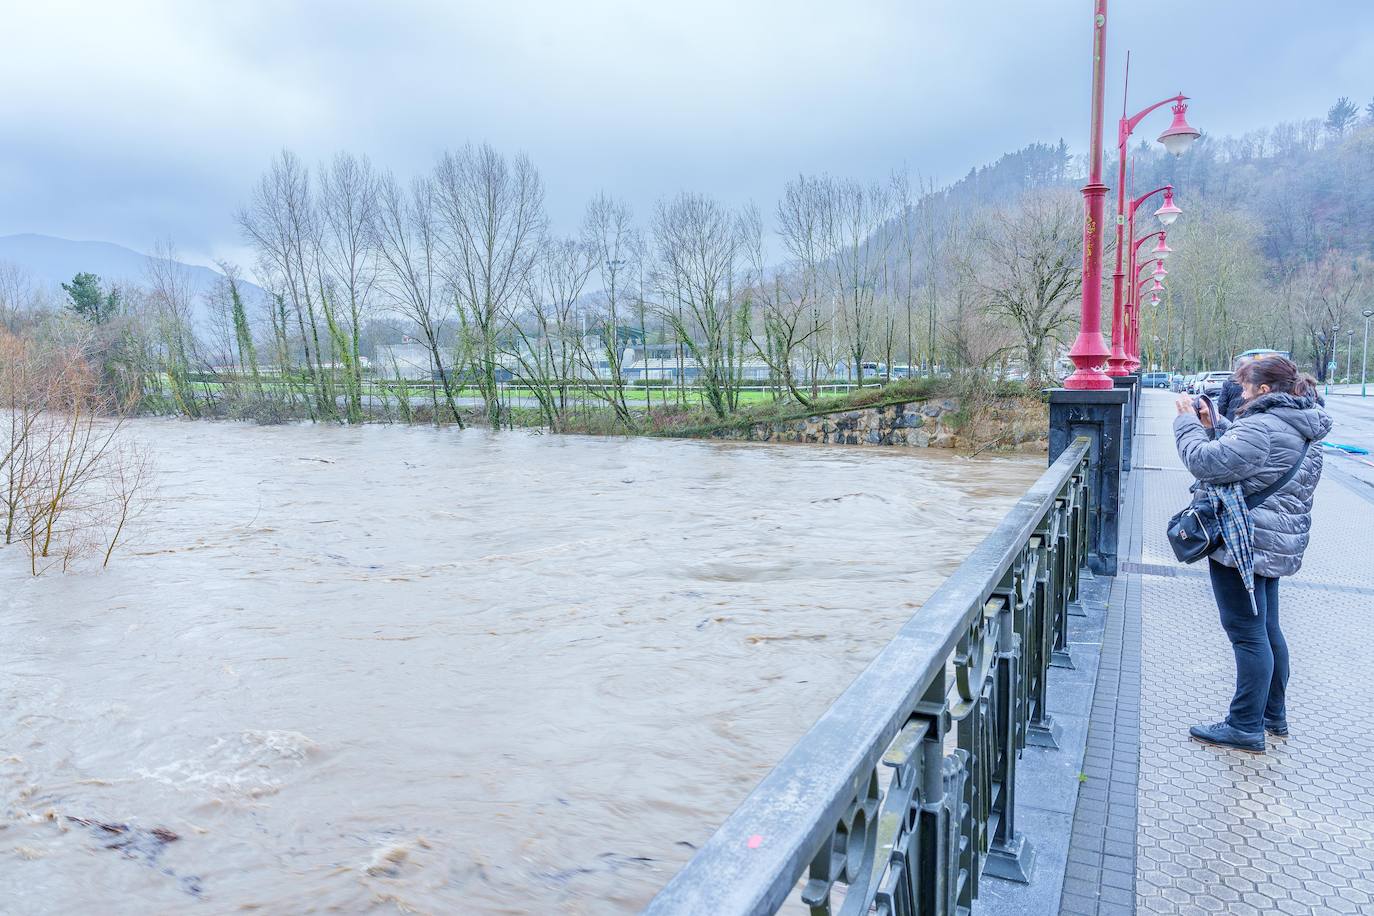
1211, 382
1178, 383
1155, 380
1264, 351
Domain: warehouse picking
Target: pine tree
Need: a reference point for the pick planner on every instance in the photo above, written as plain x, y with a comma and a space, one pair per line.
85, 297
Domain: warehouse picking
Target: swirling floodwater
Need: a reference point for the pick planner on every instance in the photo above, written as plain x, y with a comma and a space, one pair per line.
391, 669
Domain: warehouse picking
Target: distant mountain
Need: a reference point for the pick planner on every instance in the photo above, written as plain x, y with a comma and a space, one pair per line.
53, 261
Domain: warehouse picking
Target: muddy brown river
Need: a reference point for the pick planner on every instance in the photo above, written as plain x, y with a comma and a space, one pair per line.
407, 670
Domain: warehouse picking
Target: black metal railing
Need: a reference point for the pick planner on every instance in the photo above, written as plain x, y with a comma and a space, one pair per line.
903, 794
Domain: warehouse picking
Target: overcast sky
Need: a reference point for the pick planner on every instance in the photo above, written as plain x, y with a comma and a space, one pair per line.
131, 121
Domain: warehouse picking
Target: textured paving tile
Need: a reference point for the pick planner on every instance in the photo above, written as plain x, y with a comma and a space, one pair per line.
1291, 831
1101, 874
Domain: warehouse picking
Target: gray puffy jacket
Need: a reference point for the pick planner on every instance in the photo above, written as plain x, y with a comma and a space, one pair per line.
1256, 450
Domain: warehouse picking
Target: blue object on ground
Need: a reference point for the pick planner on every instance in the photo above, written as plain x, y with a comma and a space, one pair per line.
1351, 449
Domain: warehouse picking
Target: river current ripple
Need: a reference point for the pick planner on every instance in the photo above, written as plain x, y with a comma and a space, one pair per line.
410, 670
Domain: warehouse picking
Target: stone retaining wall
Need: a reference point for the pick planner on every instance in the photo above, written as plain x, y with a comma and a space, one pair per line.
916, 423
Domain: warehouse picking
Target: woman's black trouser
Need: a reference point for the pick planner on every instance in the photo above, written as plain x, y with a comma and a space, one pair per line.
1261, 652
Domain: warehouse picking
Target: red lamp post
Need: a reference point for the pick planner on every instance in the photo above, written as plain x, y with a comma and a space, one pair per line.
1089, 351
1176, 139
1131, 319
1166, 215
1132, 307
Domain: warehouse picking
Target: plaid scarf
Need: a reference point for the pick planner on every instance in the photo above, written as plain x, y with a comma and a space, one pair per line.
1237, 531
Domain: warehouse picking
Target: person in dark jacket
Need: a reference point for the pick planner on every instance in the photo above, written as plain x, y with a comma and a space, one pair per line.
1229, 401
1278, 414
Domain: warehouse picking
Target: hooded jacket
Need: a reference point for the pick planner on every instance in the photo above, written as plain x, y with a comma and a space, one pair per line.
1256, 450
1230, 399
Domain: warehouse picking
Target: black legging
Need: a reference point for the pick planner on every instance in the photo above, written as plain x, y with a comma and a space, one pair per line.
1261, 652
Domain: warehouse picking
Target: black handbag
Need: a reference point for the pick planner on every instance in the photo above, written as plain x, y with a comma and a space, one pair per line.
1195, 532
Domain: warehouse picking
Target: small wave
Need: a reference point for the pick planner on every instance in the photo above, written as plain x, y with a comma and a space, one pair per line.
248, 767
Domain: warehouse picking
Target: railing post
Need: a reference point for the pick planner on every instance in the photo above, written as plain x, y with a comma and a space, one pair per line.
1010, 855
942, 791
1131, 385
1097, 415
1042, 731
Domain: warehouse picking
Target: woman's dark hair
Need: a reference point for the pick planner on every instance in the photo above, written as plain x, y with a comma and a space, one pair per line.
1279, 373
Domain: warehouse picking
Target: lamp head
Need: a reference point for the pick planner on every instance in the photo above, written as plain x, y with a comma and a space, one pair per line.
1161, 249
1180, 134
1168, 213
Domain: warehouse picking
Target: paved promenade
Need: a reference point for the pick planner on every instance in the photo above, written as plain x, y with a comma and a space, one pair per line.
1291, 831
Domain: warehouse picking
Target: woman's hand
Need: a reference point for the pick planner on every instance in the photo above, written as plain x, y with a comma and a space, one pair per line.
1184, 403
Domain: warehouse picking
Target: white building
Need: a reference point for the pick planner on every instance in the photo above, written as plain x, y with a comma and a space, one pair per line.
407, 360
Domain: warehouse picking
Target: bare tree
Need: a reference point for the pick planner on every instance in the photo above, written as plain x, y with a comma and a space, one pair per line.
1329, 292
347, 204
801, 217
171, 293
787, 298
493, 219
904, 200
854, 216
697, 242
406, 234
548, 355
1028, 272
71, 485
18, 294
281, 222
608, 232
1214, 281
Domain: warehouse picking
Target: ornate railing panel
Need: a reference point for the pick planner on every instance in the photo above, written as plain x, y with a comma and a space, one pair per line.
902, 796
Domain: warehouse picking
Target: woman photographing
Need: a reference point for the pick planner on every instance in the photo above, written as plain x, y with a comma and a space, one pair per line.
1269, 442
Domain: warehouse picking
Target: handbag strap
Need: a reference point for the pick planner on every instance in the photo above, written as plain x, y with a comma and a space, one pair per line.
1253, 501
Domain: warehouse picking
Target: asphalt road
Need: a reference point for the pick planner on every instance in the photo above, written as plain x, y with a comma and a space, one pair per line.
1354, 425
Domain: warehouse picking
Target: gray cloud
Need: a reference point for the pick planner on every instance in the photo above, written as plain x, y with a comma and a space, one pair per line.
126, 121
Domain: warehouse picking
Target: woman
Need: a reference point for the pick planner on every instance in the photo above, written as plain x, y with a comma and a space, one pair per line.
1230, 399
1278, 415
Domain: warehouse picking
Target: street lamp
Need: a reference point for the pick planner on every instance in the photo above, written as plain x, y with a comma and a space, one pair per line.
1364, 359
1180, 134
1330, 356
1349, 347
613, 266
1177, 138
1166, 214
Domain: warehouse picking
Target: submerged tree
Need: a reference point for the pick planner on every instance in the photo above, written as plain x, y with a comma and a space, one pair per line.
491, 211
